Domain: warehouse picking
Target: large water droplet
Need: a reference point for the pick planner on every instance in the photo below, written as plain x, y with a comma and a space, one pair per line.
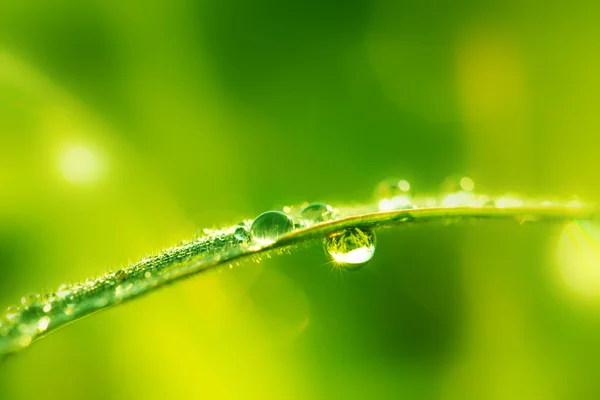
268, 226
317, 212
352, 247
394, 194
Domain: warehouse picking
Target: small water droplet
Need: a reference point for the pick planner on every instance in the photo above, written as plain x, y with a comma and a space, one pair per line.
218, 242
317, 212
47, 307
352, 247
69, 309
43, 324
268, 226
120, 275
12, 312
63, 291
51, 296
29, 300
25, 340
147, 274
241, 234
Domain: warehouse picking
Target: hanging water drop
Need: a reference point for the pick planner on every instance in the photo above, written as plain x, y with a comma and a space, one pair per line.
352, 247
394, 194
317, 212
268, 226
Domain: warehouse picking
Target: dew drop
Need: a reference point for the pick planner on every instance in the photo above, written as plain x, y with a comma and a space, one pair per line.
351, 248
317, 212
25, 340
29, 300
241, 234
43, 324
268, 226
11, 312
218, 242
120, 275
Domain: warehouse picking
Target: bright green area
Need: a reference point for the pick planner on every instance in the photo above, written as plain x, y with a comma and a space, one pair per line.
125, 128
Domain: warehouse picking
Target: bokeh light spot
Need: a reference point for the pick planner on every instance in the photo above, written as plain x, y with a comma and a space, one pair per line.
80, 165
579, 257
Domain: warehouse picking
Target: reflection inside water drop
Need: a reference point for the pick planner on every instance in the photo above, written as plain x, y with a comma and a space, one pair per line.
352, 247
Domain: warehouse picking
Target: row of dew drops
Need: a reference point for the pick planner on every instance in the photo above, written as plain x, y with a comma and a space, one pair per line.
349, 249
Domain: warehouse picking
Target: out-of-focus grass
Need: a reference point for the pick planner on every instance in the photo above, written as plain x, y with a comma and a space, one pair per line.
126, 127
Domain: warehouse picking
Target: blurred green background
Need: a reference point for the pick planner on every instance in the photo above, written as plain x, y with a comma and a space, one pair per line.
128, 126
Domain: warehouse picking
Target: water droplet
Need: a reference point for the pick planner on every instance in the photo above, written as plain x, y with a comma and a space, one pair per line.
29, 300
147, 274
43, 324
394, 194
218, 242
25, 340
120, 275
47, 307
268, 226
64, 291
352, 247
317, 212
51, 296
241, 234
12, 312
